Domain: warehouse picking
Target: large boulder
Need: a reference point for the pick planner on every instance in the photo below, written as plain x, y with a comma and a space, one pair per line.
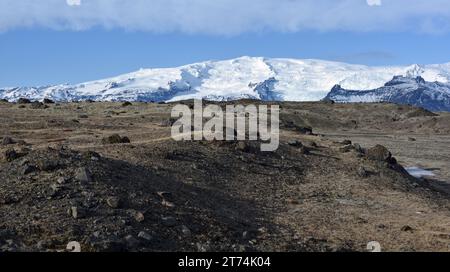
9, 155
379, 153
8, 141
116, 139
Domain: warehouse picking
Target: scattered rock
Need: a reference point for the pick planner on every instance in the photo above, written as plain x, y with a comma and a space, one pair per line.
83, 175
345, 149
62, 180
186, 231
126, 104
305, 130
8, 141
407, 228
76, 212
23, 101
362, 172
358, 148
167, 204
116, 139
83, 116
295, 143
47, 165
145, 236
91, 155
139, 217
346, 142
113, 202
10, 155
21, 142
169, 221
55, 189
411, 139
28, 169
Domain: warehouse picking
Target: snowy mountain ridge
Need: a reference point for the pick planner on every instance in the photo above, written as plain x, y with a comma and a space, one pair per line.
433, 96
245, 77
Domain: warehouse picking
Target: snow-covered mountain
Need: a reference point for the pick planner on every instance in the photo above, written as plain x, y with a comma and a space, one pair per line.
434, 96
245, 77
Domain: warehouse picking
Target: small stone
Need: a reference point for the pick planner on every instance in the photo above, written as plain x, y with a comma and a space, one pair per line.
76, 212
91, 155
346, 142
55, 187
28, 169
139, 217
345, 149
126, 104
83, 175
8, 141
47, 165
362, 172
62, 180
168, 204
21, 142
169, 221
407, 228
358, 148
113, 202
295, 143
305, 130
411, 139
10, 155
131, 242
186, 231
145, 236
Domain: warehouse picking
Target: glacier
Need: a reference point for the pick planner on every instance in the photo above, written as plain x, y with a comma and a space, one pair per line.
244, 77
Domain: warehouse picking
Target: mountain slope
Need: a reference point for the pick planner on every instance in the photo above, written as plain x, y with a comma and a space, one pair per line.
246, 77
433, 96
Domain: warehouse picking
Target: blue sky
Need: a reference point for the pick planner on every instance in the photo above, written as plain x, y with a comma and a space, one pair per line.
51, 42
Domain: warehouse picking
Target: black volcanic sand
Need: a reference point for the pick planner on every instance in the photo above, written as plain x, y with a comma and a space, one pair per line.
61, 181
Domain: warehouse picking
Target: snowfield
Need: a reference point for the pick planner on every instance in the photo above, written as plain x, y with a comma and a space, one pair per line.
245, 77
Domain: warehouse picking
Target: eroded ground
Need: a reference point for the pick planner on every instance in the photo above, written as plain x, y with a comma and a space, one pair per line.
60, 181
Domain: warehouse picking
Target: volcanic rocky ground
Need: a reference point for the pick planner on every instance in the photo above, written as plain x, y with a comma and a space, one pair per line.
109, 176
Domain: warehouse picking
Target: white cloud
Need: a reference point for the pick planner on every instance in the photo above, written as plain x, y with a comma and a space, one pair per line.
374, 2
73, 2
228, 17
